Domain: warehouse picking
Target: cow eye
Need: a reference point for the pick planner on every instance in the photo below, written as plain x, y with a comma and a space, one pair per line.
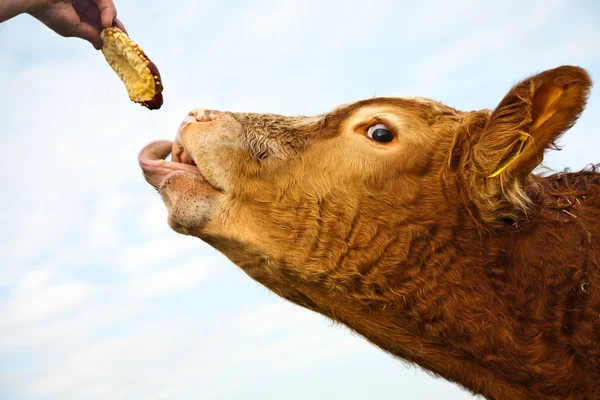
380, 133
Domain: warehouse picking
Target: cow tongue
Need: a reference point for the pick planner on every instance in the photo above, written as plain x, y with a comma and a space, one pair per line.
153, 165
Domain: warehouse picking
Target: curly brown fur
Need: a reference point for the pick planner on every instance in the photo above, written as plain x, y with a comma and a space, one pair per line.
440, 247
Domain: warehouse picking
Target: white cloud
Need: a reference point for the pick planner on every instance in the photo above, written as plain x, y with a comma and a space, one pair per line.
150, 360
32, 281
173, 279
64, 334
36, 231
107, 214
154, 219
271, 318
157, 252
44, 302
126, 354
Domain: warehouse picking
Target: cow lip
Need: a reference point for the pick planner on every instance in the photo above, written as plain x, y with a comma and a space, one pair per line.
156, 169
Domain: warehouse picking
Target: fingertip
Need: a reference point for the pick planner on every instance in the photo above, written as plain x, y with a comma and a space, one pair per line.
95, 41
89, 33
108, 17
95, 44
107, 22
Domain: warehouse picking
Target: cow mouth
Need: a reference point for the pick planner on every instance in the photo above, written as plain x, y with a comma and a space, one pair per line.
156, 168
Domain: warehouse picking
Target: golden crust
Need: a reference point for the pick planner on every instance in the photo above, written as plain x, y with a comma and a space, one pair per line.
140, 75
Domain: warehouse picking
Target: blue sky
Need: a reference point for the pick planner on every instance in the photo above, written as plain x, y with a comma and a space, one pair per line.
100, 300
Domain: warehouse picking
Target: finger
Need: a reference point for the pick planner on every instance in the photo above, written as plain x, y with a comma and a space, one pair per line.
120, 25
89, 33
65, 24
93, 13
108, 12
93, 22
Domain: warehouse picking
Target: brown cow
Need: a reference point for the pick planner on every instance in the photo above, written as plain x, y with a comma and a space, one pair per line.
418, 226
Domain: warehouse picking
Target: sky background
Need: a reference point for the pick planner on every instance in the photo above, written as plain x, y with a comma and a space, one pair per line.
99, 299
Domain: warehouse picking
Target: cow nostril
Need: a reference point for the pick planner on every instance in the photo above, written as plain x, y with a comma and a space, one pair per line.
204, 115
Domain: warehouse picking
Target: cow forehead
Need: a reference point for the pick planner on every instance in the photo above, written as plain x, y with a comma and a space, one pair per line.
417, 106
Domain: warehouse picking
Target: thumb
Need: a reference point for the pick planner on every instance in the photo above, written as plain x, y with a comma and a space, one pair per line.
108, 12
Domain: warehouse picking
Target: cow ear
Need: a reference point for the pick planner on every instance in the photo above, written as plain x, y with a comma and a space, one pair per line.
530, 119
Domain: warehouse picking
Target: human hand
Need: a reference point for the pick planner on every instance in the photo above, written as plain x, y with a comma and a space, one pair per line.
78, 18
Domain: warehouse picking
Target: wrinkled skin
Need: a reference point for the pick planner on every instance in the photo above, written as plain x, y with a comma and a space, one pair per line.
77, 18
439, 246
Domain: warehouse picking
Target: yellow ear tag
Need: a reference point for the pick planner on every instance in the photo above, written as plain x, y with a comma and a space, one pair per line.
521, 144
